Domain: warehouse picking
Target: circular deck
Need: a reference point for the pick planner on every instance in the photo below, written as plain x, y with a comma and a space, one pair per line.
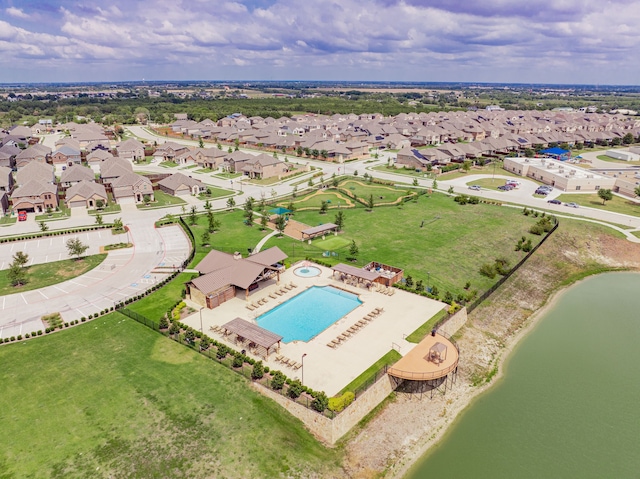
432, 358
307, 271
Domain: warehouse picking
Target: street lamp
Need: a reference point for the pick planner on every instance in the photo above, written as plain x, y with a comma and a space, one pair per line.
201, 330
302, 370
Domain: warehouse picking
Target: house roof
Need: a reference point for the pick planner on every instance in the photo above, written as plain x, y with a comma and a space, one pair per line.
77, 173
176, 180
35, 171
252, 332
86, 189
34, 188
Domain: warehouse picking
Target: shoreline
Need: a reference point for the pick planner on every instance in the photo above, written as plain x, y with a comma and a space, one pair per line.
444, 424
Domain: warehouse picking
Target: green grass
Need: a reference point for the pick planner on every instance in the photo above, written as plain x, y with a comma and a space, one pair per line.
420, 333
265, 181
8, 220
227, 176
233, 234
618, 162
381, 193
489, 183
478, 170
448, 250
616, 205
111, 398
204, 170
155, 305
636, 234
161, 200
335, 198
403, 171
388, 359
46, 274
107, 210
62, 214
168, 164
216, 193
332, 243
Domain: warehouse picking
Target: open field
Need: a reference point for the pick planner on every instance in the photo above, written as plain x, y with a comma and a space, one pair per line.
616, 204
381, 193
334, 198
618, 162
215, 193
46, 274
489, 183
447, 251
111, 398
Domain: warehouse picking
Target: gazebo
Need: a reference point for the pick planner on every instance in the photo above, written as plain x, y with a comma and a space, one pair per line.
320, 230
258, 340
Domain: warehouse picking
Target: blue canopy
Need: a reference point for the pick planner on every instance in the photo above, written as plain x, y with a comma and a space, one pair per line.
557, 153
279, 211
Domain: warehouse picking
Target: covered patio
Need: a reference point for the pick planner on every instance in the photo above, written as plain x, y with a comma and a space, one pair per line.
320, 230
257, 340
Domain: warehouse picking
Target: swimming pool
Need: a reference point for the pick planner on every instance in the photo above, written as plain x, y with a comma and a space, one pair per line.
309, 313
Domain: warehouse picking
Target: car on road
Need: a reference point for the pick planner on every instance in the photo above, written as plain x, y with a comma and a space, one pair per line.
543, 190
475, 187
22, 216
572, 205
555, 202
505, 187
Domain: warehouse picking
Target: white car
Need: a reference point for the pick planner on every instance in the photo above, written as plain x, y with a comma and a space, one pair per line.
475, 187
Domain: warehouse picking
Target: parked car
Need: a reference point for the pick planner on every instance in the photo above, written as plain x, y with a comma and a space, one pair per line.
22, 216
505, 187
572, 205
475, 187
555, 202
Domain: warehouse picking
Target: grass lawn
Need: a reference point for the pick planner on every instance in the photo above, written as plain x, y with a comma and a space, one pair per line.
618, 162
107, 210
216, 193
46, 274
227, 176
204, 170
403, 171
489, 183
315, 199
454, 242
111, 398
168, 164
381, 193
233, 234
155, 305
477, 170
332, 243
265, 181
420, 333
388, 359
161, 199
8, 220
617, 204
62, 214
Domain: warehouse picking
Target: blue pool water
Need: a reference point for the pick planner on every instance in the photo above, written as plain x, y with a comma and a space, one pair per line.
309, 313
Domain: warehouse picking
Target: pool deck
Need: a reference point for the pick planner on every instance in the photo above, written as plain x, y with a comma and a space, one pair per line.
327, 369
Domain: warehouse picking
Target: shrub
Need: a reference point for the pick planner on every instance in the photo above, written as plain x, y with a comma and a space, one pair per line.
266, 369
238, 361
277, 381
83, 319
257, 371
488, 270
337, 404
204, 343
163, 323
295, 389
27, 336
39, 332
221, 353
320, 402
502, 266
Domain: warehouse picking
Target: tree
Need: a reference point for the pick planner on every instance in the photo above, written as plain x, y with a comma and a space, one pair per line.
291, 207
295, 389
294, 192
117, 224
370, 203
248, 211
528, 152
99, 220
205, 238
627, 139
637, 191
281, 223
214, 224
192, 215
353, 250
20, 258
605, 195
236, 142
415, 182
99, 204
16, 274
264, 220
434, 185
339, 220
231, 203
200, 143
320, 402
335, 182
146, 199
299, 151
258, 370
76, 248
207, 205
323, 207
466, 166
310, 183
43, 226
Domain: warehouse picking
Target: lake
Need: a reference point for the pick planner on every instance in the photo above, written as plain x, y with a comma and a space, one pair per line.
568, 403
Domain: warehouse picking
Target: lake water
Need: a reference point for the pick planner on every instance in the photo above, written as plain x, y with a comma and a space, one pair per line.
568, 405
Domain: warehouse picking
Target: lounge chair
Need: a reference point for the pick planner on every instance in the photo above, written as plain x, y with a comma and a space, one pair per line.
249, 307
332, 345
335, 342
297, 366
278, 293
255, 306
288, 287
362, 322
392, 292
272, 296
293, 285
344, 336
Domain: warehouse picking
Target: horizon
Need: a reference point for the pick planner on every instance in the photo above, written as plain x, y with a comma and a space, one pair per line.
541, 42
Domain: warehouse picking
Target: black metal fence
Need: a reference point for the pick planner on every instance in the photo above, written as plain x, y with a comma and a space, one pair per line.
371, 381
140, 318
489, 292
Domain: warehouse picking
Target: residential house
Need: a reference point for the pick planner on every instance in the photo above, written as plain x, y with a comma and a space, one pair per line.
6, 185
111, 170
265, 166
75, 174
85, 194
95, 158
35, 197
130, 149
131, 187
8, 153
169, 151
66, 155
42, 172
37, 152
179, 184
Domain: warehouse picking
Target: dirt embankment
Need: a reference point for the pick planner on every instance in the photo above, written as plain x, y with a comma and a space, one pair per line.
407, 426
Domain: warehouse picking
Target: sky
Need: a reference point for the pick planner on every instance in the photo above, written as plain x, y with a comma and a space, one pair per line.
503, 41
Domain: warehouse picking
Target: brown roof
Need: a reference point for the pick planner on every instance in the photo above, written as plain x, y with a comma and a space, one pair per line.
357, 272
252, 332
319, 229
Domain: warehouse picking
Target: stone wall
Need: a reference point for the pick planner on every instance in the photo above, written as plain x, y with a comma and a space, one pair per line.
331, 430
454, 323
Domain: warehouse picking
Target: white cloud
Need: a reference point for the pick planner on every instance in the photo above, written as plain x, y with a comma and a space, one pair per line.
16, 12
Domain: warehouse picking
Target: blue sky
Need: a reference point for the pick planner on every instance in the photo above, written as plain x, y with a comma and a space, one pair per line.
537, 41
